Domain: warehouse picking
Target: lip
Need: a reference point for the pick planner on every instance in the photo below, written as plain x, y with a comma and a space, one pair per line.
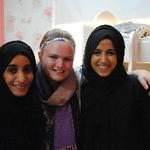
59, 74
103, 67
58, 71
20, 86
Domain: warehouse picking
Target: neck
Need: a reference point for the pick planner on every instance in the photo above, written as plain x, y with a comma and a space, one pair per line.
54, 83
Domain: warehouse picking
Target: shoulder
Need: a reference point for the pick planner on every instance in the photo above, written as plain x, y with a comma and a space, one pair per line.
133, 82
133, 79
138, 89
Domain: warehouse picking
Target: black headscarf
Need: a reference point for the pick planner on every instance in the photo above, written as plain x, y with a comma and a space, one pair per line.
110, 83
7, 52
96, 91
22, 119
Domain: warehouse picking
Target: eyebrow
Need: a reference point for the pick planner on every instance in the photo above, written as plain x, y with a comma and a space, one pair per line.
14, 65
107, 49
11, 65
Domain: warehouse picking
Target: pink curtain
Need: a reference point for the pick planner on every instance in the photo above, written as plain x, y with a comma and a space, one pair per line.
1, 22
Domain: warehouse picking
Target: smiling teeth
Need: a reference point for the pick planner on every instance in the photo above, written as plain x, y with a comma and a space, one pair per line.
21, 86
103, 67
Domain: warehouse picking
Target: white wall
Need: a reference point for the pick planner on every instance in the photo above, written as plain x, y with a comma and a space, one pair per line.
27, 20
71, 11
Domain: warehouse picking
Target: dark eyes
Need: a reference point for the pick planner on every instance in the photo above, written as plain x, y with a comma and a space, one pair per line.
28, 69
110, 52
13, 69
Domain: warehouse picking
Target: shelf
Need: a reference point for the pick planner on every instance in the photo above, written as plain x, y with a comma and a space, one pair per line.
139, 65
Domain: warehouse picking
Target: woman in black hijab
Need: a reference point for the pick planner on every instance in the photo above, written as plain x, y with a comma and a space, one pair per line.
23, 122
115, 107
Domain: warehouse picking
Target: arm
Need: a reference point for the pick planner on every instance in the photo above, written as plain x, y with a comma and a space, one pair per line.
144, 105
143, 77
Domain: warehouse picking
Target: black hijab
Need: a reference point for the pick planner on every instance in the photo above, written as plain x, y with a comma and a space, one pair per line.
7, 52
110, 83
96, 91
22, 121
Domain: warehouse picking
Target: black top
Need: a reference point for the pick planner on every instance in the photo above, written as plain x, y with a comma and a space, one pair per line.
119, 121
115, 109
23, 122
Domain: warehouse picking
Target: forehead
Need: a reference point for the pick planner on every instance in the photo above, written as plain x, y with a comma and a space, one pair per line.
59, 48
107, 43
20, 60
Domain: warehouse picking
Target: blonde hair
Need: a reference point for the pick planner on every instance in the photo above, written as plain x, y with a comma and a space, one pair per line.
56, 35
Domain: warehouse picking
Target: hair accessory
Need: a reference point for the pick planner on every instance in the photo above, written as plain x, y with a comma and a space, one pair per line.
55, 40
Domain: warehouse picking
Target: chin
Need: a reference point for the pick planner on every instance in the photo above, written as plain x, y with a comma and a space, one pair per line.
104, 74
20, 93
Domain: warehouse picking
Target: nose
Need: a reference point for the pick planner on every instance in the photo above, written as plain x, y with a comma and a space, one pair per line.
59, 62
21, 77
103, 57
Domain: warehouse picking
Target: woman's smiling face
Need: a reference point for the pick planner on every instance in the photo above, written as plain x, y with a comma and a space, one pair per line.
104, 58
18, 75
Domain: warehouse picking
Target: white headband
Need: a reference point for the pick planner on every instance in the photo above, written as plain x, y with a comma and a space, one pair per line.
55, 40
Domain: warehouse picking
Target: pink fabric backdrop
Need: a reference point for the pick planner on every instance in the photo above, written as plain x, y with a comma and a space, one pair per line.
1, 21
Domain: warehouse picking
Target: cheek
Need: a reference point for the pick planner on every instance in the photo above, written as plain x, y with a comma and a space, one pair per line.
93, 60
8, 78
47, 62
114, 61
69, 65
30, 77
